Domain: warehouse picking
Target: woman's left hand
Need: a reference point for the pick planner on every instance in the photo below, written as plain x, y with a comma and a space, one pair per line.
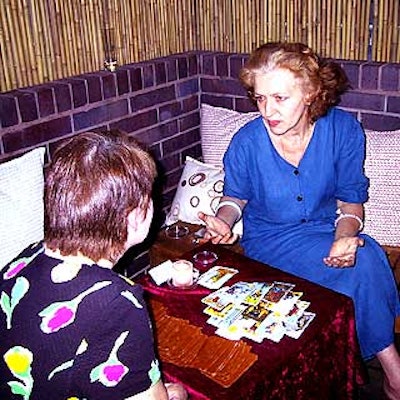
343, 252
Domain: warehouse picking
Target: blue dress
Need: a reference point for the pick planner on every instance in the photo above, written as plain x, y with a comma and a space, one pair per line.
289, 218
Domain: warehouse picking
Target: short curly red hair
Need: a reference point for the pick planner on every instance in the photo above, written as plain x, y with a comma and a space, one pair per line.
322, 79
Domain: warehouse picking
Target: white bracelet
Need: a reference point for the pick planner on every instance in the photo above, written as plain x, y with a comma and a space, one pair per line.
232, 204
356, 217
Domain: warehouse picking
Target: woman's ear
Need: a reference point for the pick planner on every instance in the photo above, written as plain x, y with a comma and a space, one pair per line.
134, 219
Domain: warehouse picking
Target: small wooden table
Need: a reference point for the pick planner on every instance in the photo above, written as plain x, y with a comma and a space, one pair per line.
323, 363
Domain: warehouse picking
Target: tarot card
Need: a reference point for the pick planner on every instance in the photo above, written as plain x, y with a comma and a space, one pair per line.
218, 313
257, 312
232, 314
287, 302
237, 329
295, 312
273, 330
260, 290
277, 291
216, 276
295, 331
240, 290
218, 299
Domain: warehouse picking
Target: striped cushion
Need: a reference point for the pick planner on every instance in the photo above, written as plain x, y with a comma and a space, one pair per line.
382, 167
21, 203
217, 127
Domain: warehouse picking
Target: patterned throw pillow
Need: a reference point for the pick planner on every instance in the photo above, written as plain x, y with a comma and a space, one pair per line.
217, 127
21, 203
382, 167
200, 189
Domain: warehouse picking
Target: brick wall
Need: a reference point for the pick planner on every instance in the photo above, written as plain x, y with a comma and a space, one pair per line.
157, 102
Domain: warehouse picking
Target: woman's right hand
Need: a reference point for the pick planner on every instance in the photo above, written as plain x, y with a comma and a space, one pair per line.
176, 391
217, 230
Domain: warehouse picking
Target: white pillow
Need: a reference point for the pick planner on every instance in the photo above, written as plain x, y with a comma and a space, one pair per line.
382, 167
200, 188
21, 203
217, 127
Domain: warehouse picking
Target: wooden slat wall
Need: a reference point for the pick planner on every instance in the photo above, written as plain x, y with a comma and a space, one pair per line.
43, 40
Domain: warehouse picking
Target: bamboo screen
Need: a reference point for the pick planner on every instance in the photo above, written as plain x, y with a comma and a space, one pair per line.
43, 40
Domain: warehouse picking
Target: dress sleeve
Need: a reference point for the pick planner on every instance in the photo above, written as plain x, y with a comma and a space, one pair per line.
119, 360
352, 184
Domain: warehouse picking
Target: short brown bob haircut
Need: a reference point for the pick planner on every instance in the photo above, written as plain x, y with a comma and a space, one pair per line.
324, 81
94, 181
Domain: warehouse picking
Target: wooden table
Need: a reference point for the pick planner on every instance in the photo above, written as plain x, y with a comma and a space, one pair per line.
324, 363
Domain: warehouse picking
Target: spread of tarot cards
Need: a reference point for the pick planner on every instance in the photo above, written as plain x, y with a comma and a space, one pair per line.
258, 311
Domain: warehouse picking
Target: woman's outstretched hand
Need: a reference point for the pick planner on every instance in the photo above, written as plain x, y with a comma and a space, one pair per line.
217, 230
343, 252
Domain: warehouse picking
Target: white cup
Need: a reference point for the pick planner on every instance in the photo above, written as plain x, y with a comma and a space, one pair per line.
182, 273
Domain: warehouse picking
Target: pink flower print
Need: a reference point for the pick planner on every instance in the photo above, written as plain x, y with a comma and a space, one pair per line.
62, 317
16, 266
111, 372
114, 373
61, 314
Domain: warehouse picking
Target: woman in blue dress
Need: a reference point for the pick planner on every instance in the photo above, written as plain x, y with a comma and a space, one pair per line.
296, 175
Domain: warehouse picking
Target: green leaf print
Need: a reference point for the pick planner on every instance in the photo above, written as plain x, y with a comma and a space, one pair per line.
17, 388
8, 304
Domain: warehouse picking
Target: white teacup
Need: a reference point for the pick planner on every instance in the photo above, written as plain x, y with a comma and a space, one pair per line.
183, 273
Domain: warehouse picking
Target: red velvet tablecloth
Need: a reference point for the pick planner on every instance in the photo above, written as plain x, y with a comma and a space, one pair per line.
324, 363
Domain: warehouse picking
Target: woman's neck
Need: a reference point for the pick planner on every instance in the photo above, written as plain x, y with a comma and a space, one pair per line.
77, 258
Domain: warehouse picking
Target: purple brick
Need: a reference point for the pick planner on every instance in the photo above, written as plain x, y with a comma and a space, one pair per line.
148, 76
172, 72
8, 110
45, 97
79, 92
170, 111
155, 151
189, 121
136, 79
193, 151
170, 163
245, 105
161, 74
152, 98
122, 81
62, 92
207, 65
94, 88
157, 133
393, 104
193, 67
363, 101
370, 76
235, 65
222, 86
136, 122
191, 103
390, 77
27, 105
180, 142
380, 122
187, 88
352, 70
182, 67
37, 134
100, 115
222, 65
217, 101
109, 87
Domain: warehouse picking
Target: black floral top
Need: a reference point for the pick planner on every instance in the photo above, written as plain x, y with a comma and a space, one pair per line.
72, 331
